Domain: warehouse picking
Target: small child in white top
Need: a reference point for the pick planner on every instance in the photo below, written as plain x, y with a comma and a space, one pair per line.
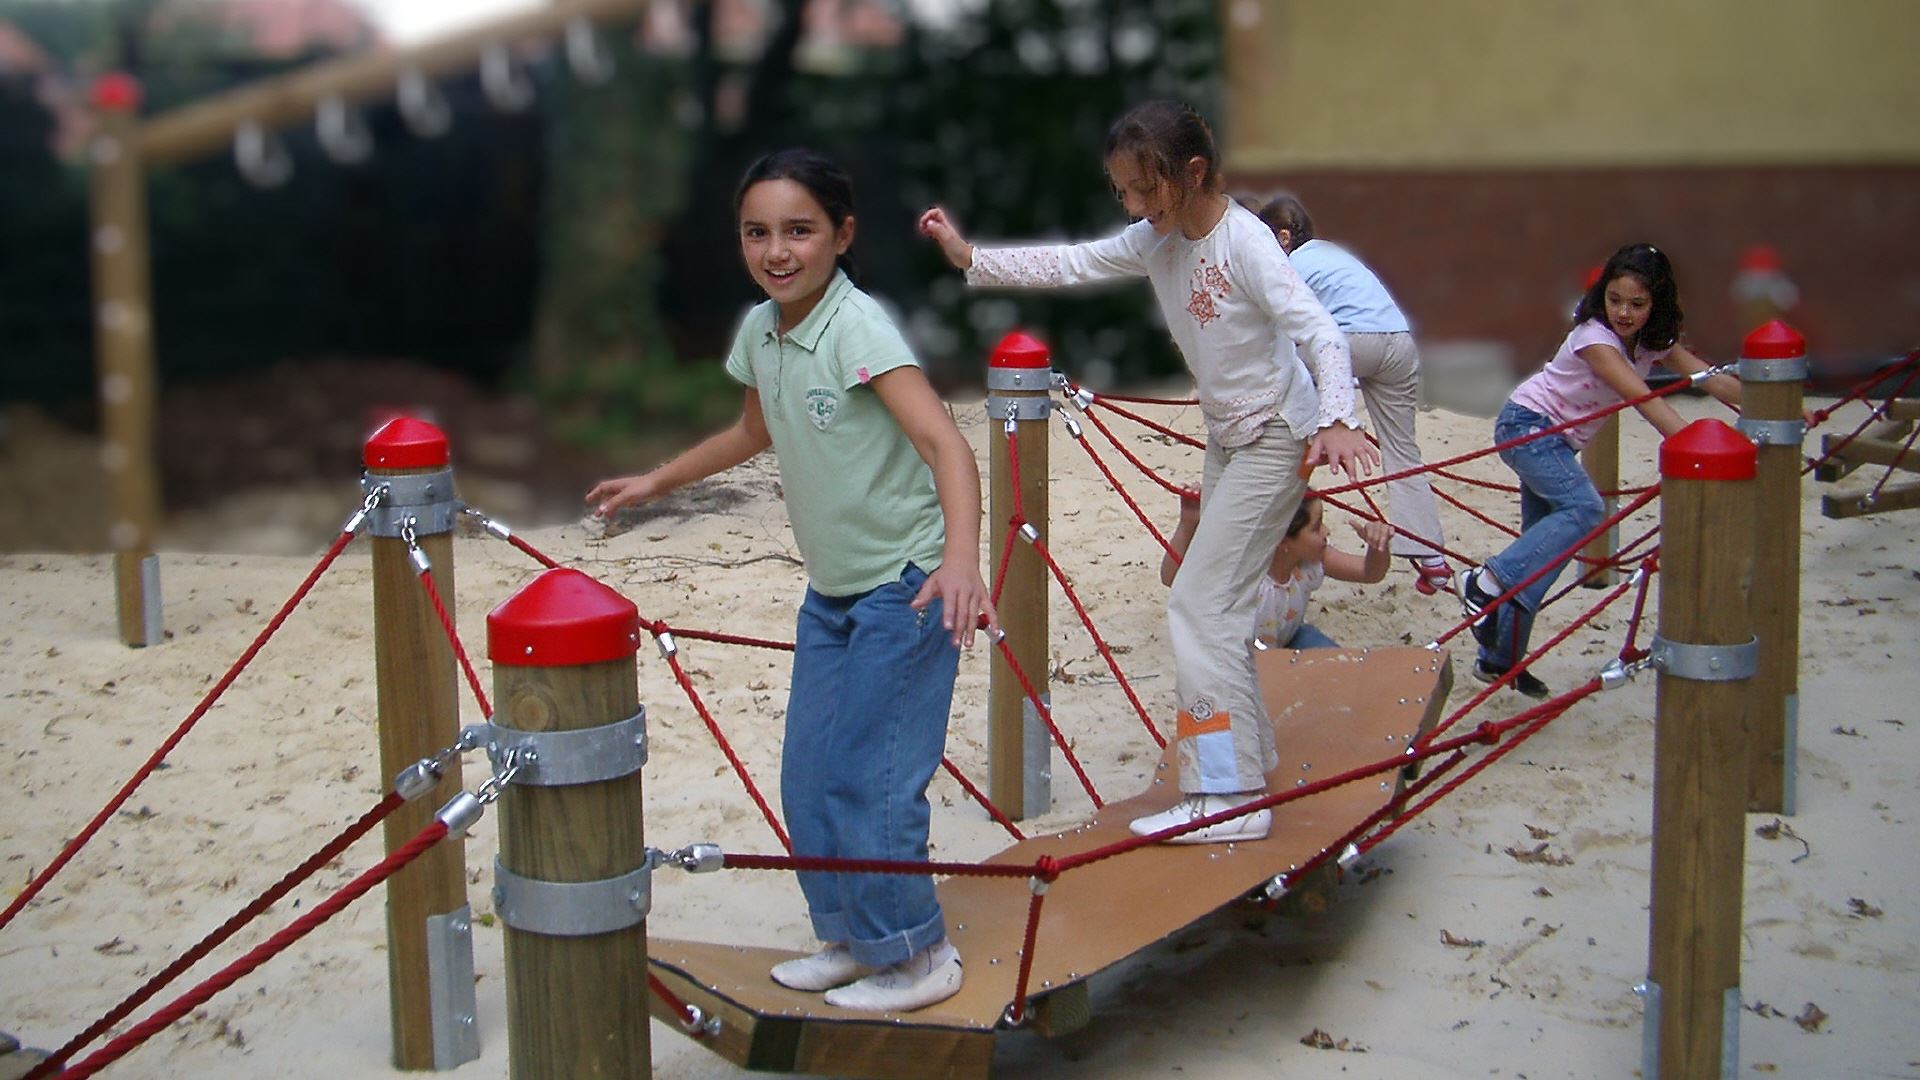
1301, 563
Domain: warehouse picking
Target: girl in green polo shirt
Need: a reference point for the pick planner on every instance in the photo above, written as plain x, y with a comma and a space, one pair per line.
884, 497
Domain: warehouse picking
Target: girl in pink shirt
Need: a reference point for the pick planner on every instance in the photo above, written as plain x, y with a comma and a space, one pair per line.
1628, 319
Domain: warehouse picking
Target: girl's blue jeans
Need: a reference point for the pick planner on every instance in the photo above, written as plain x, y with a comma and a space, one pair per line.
1558, 505
866, 726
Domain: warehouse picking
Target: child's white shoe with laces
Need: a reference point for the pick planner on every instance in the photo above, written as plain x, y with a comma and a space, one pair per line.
830, 967
1253, 826
928, 977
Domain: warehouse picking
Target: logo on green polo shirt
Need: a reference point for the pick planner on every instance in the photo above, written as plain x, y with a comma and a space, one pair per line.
822, 403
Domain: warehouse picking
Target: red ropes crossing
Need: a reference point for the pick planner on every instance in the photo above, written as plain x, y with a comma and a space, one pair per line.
153, 761
266, 950
327, 853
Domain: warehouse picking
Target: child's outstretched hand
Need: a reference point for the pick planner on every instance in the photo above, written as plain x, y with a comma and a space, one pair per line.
1343, 448
608, 496
1375, 534
941, 230
963, 599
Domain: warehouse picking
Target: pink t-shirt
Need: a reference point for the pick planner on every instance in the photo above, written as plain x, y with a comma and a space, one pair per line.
1567, 387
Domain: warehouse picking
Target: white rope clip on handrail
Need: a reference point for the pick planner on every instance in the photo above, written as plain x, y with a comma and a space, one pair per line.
506, 86
423, 108
342, 131
261, 158
591, 62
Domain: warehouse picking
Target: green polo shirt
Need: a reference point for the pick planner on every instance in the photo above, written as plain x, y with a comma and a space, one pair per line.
860, 498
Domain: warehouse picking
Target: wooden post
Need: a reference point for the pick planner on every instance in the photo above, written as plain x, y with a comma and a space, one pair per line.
1602, 460
419, 714
123, 354
1019, 749
1773, 369
1705, 654
572, 885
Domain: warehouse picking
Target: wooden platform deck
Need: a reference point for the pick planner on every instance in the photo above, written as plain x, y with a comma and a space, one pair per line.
1332, 710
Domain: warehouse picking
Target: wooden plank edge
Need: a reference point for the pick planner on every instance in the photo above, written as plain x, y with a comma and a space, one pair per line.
1894, 497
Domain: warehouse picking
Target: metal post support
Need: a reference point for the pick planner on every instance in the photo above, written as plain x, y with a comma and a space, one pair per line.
1602, 460
1705, 652
1773, 371
572, 884
419, 712
123, 354
1019, 386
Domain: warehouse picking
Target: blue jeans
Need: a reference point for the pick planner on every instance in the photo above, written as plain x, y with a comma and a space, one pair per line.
866, 726
1558, 505
1310, 637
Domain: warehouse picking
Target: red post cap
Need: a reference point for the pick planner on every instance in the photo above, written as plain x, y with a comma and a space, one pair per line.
1020, 350
406, 443
1593, 274
1708, 450
116, 91
1774, 341
1761, 259
560, 618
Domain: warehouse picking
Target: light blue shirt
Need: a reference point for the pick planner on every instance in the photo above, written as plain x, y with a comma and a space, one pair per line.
1347, 289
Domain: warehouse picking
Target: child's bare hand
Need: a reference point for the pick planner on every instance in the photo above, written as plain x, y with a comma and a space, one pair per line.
1343, 448
1189, 510
963, 599
1375, 534
608, 496
941, 230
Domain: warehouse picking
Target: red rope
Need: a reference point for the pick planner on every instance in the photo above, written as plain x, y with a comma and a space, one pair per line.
1045, 874
734, 860
689, 1016
727, 639
453, 639
739, 768
153, 762
266, 950
1132, 458
1149, 400
1100, 643
1351, 836
1176, 436
1046, 715
227, 929
981, 797
538, 555
1114, 483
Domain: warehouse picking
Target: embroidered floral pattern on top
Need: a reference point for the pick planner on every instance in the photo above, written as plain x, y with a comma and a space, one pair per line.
1209, 282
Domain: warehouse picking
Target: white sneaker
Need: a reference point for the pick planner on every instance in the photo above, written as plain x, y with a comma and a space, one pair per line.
1251, 826
928, 977
830, 967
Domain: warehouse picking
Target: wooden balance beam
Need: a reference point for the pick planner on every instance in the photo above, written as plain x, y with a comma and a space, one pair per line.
1332, 710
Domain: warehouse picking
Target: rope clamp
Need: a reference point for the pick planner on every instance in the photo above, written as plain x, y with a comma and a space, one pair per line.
487, 523
1073, 426
1029, 533
462, 812
1772, 432
415, 553
1704, 663
566, 758
1618, 673
694, 858
698, 1024
373, 499
1699, 377
664, 641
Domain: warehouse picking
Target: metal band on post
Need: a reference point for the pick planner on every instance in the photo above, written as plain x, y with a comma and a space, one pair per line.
1772, 432
1704, 663
572, 908
424, 500
581, 756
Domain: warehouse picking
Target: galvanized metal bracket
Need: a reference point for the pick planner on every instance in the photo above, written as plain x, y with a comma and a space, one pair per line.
1791, 369
1036, 758
1024, 408
425, 500
1704, 663
1772, 432
1019, 378
565, 758
450, 994
151, 623
1790, 759
1649, 992
572, 908
1730, 1034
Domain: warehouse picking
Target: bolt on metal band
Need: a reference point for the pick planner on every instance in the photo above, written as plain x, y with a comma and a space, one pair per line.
1704, 663
572, 908
1791, 369
1019, 378
1020, 408
565, 758
1772, 432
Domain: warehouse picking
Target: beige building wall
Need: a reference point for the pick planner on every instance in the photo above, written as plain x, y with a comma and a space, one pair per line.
1529, 83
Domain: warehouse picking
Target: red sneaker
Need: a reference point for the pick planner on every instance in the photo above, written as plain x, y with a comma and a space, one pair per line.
1430, 580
